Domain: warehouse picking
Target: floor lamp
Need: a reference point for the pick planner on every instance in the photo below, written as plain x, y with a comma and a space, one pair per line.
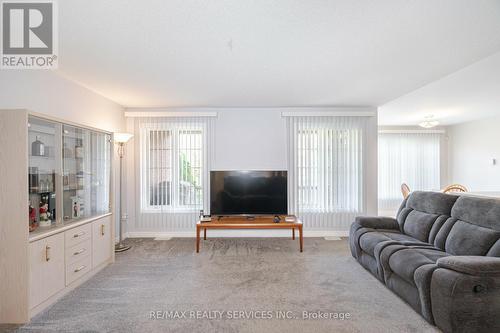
121, 139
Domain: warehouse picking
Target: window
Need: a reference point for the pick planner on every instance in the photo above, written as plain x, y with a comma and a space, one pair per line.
329, 170
411, 158
172, 167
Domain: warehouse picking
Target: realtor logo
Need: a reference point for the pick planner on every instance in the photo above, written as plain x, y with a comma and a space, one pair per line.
29, 38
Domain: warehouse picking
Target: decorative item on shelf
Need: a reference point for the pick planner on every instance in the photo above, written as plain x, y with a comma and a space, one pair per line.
72, 183
79, 149
46, 183
121, 139
33, 179
37, 148
75, 207
80, 179
49, 151
44, 215
32, 218
67, 152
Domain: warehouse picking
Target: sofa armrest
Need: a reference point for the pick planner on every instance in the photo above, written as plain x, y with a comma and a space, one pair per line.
465, 294
377, 222
472, 265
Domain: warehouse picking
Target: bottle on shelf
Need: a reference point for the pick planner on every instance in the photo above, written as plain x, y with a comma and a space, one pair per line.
38, 148
67, 152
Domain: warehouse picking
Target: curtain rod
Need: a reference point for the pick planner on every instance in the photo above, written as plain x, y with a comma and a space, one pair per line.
330, 114
422, 131
169, 114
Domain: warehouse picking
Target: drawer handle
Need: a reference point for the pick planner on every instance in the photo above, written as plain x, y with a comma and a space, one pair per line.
47, 253
78, 235
80, 268
102, 229
79, 252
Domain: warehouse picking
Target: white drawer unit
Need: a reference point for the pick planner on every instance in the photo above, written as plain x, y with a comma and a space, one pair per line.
46, 268
70, 254
78, 235
101, 241
78, 251
78, 269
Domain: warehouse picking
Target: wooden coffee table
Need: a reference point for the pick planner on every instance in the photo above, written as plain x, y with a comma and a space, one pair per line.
242, 222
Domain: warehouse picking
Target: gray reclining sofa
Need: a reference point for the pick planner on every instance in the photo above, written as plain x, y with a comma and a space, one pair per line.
441, 255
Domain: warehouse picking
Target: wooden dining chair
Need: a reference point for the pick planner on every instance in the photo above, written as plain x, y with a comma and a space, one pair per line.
405, 190
455, 188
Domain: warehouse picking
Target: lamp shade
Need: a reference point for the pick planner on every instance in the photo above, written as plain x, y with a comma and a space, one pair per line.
122, 137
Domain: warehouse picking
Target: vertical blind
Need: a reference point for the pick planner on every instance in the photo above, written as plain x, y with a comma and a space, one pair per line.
172, 163
326, 167
411, 158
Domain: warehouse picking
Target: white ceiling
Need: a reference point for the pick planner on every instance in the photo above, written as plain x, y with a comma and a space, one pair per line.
270, 53
468, 94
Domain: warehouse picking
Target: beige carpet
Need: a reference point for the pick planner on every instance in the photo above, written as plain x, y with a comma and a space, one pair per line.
242, 285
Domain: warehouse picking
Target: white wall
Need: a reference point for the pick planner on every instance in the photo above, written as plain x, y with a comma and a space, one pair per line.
48, 93
472, 147
250, 139
246, 139
51, 94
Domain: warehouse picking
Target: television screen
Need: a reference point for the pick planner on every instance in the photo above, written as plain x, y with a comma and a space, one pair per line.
248, 192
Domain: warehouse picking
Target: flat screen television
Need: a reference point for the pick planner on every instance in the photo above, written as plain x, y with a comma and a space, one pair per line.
248, 193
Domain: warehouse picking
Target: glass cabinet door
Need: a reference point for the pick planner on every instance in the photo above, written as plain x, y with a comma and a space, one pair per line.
76, 173
100, 169
69, 173
44, 167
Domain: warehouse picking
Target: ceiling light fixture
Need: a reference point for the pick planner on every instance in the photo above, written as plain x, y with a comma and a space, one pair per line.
429, 122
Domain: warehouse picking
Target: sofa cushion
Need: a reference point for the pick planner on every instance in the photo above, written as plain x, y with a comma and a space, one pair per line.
369, 240
469, 239
425, 213
405, 262
477, 226
484, 212
432, 202
418, 224
495, 250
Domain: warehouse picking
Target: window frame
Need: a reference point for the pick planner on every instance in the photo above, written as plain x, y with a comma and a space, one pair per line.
145, 164
402, 142
328, 137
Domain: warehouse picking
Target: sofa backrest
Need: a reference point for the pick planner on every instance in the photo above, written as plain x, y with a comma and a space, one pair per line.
424, 213
474, 227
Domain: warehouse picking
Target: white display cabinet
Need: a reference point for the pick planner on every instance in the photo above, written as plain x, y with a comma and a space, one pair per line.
55, 199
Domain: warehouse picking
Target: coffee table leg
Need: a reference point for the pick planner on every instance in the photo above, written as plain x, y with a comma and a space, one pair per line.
301, 238
205, 234
197, 238
293, 233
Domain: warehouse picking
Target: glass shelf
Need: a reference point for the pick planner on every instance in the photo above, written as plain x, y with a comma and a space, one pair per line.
86, 162
69, 174
42, 173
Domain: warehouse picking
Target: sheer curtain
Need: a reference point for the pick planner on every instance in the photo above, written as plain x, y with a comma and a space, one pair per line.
411, 158
173, 159
326, 167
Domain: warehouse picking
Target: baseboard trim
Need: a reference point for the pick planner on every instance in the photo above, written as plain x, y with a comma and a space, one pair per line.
234, 233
